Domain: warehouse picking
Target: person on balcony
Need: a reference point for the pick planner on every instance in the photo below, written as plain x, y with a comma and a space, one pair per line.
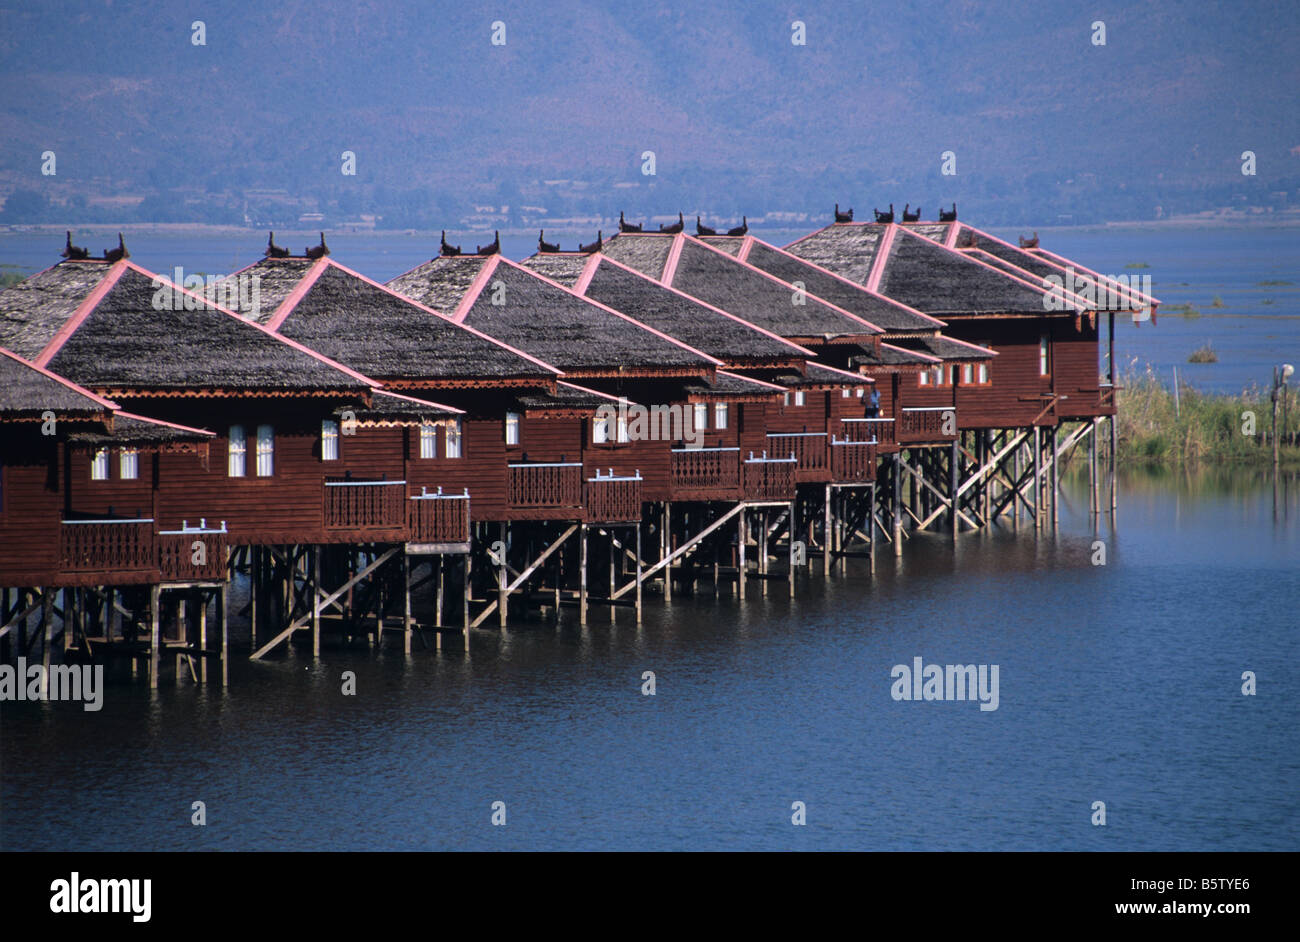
873, 404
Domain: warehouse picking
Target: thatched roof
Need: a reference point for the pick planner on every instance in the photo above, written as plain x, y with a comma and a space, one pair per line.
646, 252
734, 387
27, 392
440, 283
822, 377
718, 279
732, 245
32, 310
131, 429
568, 399
896, 357
376, 331
679, 315
277, 277
564, 267
123, 336
884, 312
550, 321
848, 249
946, 348
388, 408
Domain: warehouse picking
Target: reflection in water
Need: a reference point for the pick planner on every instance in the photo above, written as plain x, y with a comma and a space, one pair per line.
1119, 683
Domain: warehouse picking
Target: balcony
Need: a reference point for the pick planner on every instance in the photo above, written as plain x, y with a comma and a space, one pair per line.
438, 518
926, 424
193, 554
546, 486
705, 473
613, 499
108, 547
365, 507
878, 430
769, 478
808, 449
852, 462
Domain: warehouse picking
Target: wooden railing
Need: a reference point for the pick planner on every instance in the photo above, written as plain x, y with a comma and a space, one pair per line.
437, 517
365, 505
107, 545
877, 430
769, 478
927, 423
808, 448
555, 484
193, 554
852, 462
706, 468
612, 498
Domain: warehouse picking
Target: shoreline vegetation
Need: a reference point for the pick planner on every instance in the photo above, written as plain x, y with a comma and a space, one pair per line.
1202, 427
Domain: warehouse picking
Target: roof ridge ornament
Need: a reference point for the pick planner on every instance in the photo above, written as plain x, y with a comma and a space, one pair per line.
117, 254
543, 245
319, 251
446, 250
493, 247
74, 252
676, 227
948, 215
273, 250
624, 226
885, 217
843, 217
703, 230
592, 247
1031, 243
741, 229
909, 216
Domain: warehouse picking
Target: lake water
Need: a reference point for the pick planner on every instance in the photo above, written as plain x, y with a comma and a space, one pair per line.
1118, 683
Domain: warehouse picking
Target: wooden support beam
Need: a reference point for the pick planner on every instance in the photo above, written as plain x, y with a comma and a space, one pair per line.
527, 572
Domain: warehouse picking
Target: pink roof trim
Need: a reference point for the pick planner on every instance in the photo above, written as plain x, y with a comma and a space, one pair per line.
588, 270
882, 257
88, 304
749, 379
298, 293
475, 289
81, 390
912, 353
183, 428
1061, 262
694, 300
950, 238
674, 256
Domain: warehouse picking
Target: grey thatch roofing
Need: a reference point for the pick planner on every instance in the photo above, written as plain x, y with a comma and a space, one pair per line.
945, 348
277, 277
729, 244
846, 248
646, 253
819, 375
934, 231
131, 429
682, 316
378, 332
854, 298
32, 310
550, 321
942, 281
27, 391
440, 283
567, 397
739, 289
564, 267
127, 342
731, 386
387, 408
891, 355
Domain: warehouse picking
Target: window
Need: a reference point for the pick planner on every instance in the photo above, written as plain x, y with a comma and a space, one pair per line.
701, 415
785, 399
720, 415
451, 447
983, 373
128, 465
237, 453
1044, 366
99, 465
798, 398
329, 440
512, 428
846, 393
968, 373
622, 425
428, 441
925, 377
600, 429
859, 392
265, 451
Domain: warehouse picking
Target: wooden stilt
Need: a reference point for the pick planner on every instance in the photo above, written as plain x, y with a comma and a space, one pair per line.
1114, 448
954, 471
1056, 480
666, 549
1038, 477
638, 574
222, 599
742, 537
465, 597
406, 603
47, 620
582, 574
155, 634
203, 637
503, 594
